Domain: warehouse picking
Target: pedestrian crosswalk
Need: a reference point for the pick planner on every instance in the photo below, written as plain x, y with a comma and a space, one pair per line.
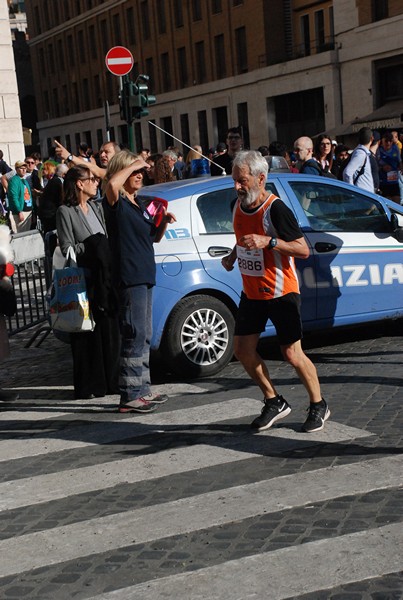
186, 503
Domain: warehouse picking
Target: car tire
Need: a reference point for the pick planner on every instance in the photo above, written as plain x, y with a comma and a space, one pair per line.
198, 338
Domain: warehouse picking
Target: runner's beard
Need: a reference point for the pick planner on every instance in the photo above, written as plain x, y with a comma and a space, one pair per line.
248, 198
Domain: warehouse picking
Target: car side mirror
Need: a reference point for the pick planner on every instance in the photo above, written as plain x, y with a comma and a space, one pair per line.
396, 222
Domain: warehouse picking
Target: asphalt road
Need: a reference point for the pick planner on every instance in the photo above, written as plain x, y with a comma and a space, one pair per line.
187, 503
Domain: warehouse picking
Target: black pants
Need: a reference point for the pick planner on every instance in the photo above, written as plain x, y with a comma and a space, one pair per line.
96, 359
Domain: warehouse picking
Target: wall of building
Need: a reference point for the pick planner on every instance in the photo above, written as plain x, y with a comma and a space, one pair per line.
11, 138
342, 67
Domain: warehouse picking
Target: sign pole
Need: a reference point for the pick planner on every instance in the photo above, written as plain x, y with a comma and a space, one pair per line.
119, 61
107, 121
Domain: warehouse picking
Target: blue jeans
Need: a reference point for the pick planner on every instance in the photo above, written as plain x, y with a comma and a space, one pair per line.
135, 315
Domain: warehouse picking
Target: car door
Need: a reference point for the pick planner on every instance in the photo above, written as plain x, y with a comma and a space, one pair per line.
213, 232
358, 270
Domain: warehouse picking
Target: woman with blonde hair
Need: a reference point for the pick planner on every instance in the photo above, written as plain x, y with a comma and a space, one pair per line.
132, 233
196, 165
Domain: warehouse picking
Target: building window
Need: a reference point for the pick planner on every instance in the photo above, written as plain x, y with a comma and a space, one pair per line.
104, 36
389, 80
51, 59
116, 29
178, 12
145, 20
220, 121
331, 23
319, 31
37, 20
74, 98
380, 10
86, 95
67, 141
161, 16
305, 36
185, 131
200, 62
98, 91
219, 51
100, 138
65, 100
56, 103
197, 10
150, 72
70, 46
216, 6
152, 132
182, 67
166, 76
82, 50
46, 104
203, 131
111, 87
60, 54
243, 122
130, 26
92, 41
88, 138
241, 50
166, 124
123, 135
138, 136
237, 2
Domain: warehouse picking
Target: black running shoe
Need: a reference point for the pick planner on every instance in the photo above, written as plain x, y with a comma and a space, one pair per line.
317, 415
273, 410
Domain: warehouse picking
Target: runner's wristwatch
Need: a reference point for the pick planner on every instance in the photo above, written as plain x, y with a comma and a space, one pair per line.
272, 243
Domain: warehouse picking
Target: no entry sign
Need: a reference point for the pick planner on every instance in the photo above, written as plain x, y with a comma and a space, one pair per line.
119, 60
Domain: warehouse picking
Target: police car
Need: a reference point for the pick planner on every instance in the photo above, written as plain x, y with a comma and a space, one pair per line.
354, 273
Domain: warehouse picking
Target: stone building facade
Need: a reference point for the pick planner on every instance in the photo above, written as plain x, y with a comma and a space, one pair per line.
278, 68
11, 136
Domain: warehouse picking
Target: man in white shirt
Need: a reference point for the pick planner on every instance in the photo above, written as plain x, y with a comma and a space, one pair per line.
358, 172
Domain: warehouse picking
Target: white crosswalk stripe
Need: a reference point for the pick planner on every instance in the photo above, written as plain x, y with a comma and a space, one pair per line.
281, 574
372, 552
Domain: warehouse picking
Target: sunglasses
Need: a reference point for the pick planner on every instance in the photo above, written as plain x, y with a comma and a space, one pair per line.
234, 137
138, 172
92, 179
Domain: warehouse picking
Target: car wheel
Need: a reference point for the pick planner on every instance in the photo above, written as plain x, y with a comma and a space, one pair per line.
198, 339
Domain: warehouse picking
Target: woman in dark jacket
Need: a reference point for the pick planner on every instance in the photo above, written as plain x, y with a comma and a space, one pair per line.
81, 225
132, 232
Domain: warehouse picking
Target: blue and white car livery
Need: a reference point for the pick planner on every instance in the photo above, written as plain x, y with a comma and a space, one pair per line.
354, 273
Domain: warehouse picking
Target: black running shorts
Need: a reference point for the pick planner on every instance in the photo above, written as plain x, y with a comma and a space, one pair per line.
283, 312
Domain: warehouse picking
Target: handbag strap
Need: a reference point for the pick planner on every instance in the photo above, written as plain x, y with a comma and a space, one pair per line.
71, 259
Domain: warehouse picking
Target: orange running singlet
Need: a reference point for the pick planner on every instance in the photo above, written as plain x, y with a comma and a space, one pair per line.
266, 274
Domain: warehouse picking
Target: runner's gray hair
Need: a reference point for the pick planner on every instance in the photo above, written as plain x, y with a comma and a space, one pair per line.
254, 160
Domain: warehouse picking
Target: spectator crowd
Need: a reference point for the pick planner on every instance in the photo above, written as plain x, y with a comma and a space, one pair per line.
91, 201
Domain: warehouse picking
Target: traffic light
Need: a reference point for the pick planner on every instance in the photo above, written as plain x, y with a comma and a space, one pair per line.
141, 99
134, 99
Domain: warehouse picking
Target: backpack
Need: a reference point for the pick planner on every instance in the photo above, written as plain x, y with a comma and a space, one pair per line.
343, 166
318, 167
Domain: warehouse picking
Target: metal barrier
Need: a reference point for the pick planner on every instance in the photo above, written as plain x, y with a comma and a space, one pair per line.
31, 281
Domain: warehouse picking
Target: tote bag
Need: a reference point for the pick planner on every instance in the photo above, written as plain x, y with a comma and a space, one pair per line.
68, 303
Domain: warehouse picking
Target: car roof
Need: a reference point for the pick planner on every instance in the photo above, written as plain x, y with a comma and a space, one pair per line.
187, 187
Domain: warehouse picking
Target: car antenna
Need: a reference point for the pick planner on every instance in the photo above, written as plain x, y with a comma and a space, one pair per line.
190, 147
